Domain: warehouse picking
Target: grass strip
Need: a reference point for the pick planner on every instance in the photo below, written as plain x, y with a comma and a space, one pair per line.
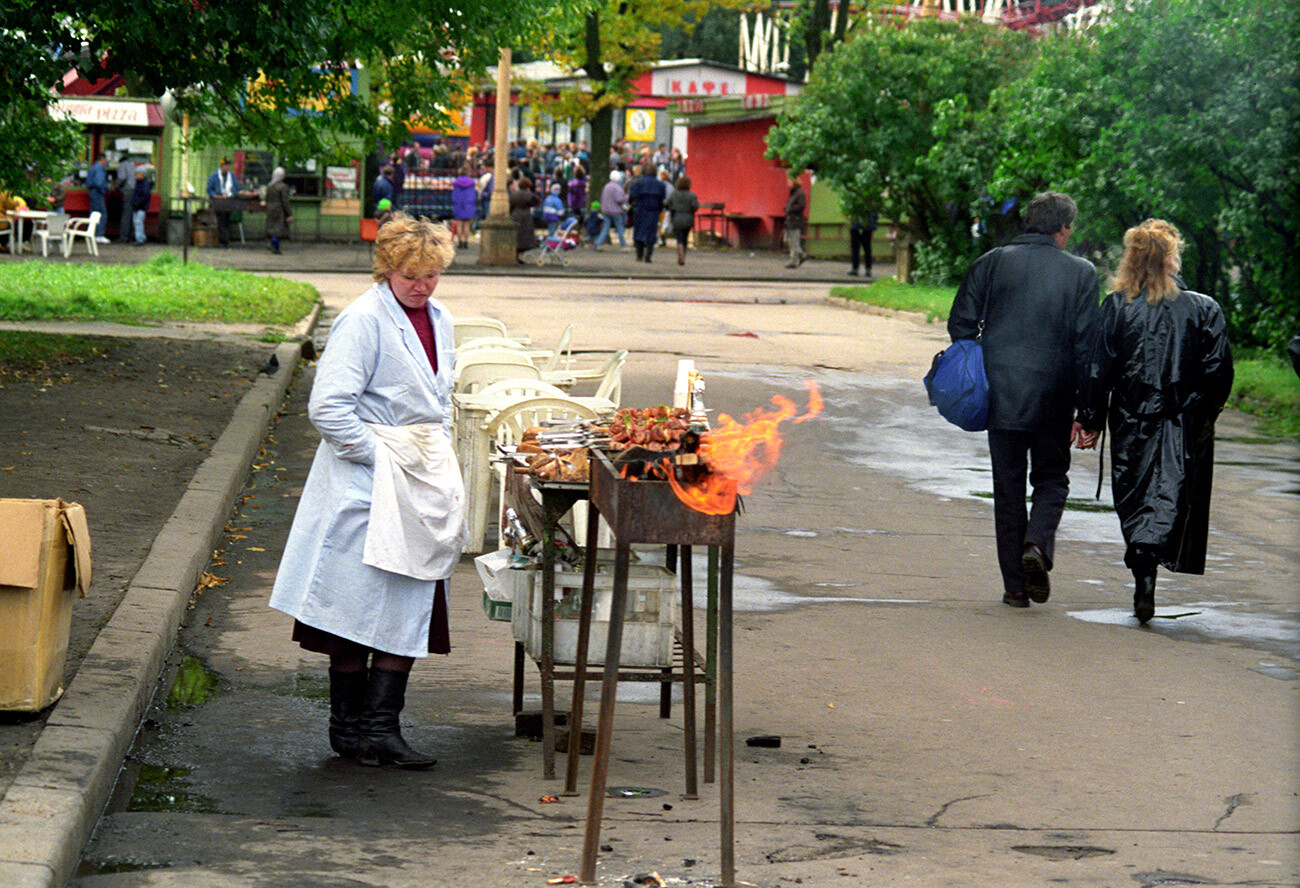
1265, 385
933, 302
161, 289
22, 351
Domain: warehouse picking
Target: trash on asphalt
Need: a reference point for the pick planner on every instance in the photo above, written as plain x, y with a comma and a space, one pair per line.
764, 741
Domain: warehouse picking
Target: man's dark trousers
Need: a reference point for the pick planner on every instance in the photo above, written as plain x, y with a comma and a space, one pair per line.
223, 229
1012, 453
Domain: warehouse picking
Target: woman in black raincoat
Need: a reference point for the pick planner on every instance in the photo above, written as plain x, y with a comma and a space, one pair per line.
1163, 362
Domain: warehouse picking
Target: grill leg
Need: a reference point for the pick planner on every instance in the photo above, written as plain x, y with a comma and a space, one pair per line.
605, 726
727, 759
711, 670
688, 671
580, 661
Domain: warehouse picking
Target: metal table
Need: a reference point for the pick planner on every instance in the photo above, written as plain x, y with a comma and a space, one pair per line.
642, 511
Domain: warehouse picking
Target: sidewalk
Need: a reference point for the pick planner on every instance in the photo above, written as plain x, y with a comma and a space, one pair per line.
709, 263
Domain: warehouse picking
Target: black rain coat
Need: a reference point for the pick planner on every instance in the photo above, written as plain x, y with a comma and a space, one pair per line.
1166, 370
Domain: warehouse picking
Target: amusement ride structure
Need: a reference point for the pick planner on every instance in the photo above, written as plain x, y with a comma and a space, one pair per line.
765, 43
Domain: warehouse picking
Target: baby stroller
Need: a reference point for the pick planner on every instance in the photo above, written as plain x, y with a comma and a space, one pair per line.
565, 238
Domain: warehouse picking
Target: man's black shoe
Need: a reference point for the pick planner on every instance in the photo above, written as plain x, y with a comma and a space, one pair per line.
1015, 600
1034, 563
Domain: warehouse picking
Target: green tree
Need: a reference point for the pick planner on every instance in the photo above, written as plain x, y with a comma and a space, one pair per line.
616, 43
865, 123
1183, 109
267, 73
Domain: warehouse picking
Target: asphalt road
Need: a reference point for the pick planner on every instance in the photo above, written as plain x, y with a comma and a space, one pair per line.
930, 735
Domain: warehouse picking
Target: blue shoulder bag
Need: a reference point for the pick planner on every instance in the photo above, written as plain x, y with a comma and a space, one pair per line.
958, 386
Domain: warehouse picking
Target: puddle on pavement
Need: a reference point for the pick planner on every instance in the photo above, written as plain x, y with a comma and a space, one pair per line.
1205, 622
194, 684
634, 792
757, 595
160, 789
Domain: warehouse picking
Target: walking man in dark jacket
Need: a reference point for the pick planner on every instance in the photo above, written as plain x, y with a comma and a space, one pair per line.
796, 210
1038, 307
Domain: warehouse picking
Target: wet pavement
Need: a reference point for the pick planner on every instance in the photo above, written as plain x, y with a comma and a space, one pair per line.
929, 735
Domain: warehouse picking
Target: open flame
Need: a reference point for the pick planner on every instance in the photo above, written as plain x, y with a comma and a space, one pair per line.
738, 454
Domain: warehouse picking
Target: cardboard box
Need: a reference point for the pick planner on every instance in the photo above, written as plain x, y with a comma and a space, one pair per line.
44, 562
649, 623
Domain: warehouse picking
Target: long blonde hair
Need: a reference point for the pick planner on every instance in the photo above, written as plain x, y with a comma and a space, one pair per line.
1152, 256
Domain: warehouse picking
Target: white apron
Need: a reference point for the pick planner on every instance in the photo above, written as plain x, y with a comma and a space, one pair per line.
417, 505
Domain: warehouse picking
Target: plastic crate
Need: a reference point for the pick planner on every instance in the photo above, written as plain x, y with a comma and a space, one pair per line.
649, 625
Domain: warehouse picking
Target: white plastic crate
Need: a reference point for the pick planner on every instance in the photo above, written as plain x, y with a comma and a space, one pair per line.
652, 617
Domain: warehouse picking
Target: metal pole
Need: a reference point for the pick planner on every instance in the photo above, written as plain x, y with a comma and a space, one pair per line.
726, 744
605, 726
711, 669
185, 185
688, 669
580, 660
548, 641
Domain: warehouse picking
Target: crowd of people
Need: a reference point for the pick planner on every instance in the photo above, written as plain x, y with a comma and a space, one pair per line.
549, 186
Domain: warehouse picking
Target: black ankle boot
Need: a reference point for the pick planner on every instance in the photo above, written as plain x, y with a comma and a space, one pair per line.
1144, 596
347, 702
381, 735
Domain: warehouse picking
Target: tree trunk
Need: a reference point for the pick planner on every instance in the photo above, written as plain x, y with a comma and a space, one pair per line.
602, 125
602, 133
819, 22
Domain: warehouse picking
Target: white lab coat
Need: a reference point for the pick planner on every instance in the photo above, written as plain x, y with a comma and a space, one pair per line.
374, 370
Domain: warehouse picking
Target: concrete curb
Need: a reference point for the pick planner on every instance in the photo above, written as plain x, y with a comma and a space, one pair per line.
49, 812
867, 308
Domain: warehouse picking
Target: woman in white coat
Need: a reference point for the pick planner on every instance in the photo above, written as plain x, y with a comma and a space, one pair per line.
381, 522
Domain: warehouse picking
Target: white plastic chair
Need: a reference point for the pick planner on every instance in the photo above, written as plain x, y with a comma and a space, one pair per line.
53, 230
512, 391
608, 376
476, 328
507, 427
562, 353
84, 229
475, 374
503, 342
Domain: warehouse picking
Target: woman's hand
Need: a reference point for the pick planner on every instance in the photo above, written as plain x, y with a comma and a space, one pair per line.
1083, 439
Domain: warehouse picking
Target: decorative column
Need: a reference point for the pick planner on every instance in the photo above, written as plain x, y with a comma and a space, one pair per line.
498, 229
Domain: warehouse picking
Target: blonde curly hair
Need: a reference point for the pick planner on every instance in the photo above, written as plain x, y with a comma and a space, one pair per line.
1152, 256
413, 248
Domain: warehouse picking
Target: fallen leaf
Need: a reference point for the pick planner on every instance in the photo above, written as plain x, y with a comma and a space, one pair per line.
548, 800
255, 549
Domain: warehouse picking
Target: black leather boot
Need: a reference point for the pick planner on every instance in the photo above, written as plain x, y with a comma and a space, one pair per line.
1144, 596
1143, 560
347, 702
381, 735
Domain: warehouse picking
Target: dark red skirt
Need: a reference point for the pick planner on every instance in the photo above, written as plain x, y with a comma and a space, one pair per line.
318, 641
